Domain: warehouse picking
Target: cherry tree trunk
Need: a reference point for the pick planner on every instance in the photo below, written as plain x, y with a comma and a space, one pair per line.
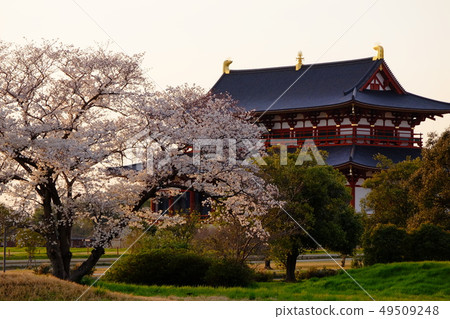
58, 251
58, 268
87, 266
344, 257
57, 233
267, 264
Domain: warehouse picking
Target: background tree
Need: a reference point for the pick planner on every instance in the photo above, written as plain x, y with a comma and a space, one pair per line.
83, 228
317, 198
410, 203
430, 184
71, 117
9, 222
352, 228
412, 192
30, 240
6, 222
176, 237
390, 199
226, 236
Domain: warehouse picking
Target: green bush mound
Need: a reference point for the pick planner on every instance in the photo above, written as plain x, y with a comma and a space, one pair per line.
389, 243
179, 268
430, 242
228, 273
385, 244
263, 276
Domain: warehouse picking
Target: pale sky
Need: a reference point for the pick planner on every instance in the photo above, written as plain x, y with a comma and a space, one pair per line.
187, 41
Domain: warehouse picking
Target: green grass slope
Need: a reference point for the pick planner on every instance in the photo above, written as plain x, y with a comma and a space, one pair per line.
398, 281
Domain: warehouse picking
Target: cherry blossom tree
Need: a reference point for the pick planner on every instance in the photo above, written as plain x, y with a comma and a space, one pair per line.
71, 120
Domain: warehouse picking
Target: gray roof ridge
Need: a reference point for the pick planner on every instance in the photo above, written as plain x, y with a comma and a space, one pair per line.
304, 66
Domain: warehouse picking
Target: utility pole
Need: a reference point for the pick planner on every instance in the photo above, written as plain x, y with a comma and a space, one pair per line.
4, 247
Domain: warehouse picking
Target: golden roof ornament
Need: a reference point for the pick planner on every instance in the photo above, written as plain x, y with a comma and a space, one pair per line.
380, 53
226, 66
300, 62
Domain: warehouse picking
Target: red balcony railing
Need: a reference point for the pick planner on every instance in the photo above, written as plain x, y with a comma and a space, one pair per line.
348, 135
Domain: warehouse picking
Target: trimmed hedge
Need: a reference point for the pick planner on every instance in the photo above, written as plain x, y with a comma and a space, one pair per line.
179, 268
385, 244
430, 242
388, 243
228, 273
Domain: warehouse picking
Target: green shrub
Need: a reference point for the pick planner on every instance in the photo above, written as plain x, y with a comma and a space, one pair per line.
179, 268
160, 267
430, 242
263, 276
228, 273
385, 244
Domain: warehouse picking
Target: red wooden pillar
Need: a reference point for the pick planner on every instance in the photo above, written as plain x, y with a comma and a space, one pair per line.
352, 180
352, 186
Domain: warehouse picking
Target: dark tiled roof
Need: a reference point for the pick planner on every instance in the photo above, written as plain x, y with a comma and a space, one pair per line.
363, 155
401, 101
318, 85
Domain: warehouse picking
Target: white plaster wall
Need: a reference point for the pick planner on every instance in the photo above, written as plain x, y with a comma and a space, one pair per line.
404, 124
379, 122
360, 193
388, 123
380, 77
363, 121
346, 121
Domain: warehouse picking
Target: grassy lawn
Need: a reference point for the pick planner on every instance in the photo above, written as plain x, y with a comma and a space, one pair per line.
15, 253
398, 281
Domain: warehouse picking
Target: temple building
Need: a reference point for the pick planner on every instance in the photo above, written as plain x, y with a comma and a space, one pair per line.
352, 109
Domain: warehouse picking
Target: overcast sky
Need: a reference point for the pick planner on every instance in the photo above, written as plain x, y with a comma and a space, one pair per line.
187, 41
